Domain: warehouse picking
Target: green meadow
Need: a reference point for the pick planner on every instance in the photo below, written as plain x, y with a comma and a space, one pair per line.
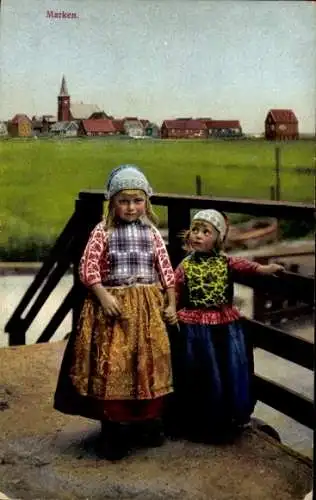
39, 180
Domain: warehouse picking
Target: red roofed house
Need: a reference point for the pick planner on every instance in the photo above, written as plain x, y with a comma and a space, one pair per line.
281, 124
183, 129
20, 126
223, 128
119, 126
96, 128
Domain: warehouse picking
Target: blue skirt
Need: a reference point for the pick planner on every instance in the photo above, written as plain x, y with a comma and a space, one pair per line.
212, 369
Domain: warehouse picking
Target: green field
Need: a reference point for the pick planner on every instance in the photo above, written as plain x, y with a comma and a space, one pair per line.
39, 180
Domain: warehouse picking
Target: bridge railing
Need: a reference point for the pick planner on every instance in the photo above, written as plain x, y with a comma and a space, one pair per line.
89, 211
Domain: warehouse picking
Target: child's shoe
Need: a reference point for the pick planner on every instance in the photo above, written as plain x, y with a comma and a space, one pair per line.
114, 443
152, 435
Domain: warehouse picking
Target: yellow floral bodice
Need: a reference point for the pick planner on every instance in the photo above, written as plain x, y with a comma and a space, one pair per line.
207, 280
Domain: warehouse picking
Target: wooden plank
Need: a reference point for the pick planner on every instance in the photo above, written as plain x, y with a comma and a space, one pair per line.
288, 312
280, 343
287, 401
22, 324
57, 317
63, 242
281, 209
284, 285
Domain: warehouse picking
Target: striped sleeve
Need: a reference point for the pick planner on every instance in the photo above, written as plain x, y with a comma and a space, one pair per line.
93, 259
163, 264
241, 265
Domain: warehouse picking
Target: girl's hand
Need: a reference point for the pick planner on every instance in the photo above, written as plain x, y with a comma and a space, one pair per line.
109, 304
271, 268
170, 315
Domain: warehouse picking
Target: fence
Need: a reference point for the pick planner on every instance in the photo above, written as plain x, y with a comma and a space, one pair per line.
88, 212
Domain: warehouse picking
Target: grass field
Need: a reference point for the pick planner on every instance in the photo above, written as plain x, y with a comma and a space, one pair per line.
39, 180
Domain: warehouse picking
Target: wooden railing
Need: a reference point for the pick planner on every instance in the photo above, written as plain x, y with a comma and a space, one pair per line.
89, 211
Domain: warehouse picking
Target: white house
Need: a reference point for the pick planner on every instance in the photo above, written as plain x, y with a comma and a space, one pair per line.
3, 129
65, 129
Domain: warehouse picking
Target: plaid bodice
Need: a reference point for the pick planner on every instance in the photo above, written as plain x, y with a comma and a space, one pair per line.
131, 255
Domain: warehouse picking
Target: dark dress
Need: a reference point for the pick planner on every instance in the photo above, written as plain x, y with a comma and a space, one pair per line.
211, 356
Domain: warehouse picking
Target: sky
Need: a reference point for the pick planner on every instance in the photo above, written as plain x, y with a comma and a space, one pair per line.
160, 59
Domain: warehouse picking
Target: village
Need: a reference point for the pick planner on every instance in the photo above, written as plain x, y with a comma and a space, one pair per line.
88, 120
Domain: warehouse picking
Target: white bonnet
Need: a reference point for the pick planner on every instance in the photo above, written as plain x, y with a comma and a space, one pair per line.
126, 177
215, 218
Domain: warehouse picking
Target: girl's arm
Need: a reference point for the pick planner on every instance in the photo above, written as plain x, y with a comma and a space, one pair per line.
179, 285
163, 264
246, 266
166, 275
90, 269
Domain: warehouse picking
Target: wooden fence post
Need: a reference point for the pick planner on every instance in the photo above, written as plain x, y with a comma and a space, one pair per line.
277, 174
198, 185
272, 193
178, 221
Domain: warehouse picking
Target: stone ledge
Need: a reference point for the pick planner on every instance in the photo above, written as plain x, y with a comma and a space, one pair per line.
48, 455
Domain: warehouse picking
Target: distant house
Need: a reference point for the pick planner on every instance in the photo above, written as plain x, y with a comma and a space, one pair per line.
42, 124
3, 129
152, 130
96, 128
48, 122
100, 115
81, 111
20, 126
223, 128
133, 127
37, 125
119, 126
281, 124
144, 122
183, 129
64, 129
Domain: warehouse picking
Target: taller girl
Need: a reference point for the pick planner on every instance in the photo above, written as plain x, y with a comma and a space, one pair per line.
117, 368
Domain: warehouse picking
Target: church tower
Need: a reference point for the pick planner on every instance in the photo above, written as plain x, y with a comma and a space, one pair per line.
63, 112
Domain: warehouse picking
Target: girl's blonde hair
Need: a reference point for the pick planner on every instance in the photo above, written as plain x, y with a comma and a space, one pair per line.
110, 220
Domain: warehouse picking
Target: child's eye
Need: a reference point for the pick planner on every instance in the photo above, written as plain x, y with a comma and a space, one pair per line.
206, 231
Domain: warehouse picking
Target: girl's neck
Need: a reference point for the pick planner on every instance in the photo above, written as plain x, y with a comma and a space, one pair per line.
119, 221
214, 252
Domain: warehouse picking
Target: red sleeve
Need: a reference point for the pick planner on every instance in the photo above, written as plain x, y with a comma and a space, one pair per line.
241, 265
179, 283
93, 259
163, 264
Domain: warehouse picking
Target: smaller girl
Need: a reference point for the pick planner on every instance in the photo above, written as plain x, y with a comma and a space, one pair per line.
117, 365
212, 370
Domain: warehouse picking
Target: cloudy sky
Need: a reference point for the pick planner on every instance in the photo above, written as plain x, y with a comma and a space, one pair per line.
228, 59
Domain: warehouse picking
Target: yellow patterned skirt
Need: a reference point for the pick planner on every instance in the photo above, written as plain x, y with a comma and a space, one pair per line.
126, 359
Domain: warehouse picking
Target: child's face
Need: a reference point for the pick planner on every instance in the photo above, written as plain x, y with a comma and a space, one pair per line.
203, 236
130, 204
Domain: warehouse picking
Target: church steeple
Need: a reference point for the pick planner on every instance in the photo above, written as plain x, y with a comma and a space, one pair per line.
63, 87
63, 105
